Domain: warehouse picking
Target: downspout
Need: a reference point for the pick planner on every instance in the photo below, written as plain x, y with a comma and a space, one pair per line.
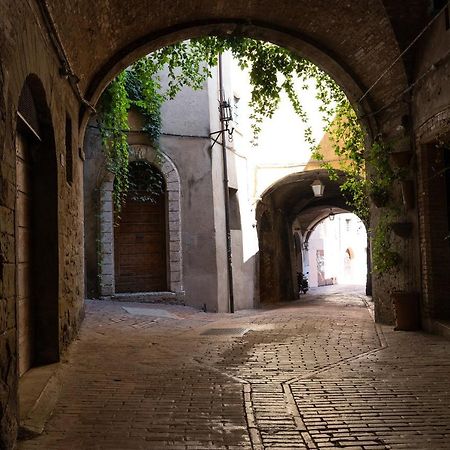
226, 192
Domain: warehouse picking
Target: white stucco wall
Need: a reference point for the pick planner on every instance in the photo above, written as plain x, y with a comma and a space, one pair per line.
188, 113
335, 237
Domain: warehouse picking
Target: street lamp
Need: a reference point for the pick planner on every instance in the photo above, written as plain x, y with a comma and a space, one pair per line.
226, 114
318, 187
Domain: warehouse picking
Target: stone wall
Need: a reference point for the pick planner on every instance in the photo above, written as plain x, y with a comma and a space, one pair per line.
25, 50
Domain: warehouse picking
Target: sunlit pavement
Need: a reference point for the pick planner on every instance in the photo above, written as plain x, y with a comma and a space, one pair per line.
317, 373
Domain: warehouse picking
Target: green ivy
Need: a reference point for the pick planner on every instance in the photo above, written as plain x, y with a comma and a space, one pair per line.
384, 258
272, 70
113, 124
347, 140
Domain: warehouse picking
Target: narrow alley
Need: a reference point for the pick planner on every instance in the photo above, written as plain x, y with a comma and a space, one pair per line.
312, 374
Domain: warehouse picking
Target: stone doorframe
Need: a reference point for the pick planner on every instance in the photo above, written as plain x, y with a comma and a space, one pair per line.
106, 228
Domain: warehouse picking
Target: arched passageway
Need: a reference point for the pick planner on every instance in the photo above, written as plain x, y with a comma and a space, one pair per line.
288, 213
335, 251
44, 38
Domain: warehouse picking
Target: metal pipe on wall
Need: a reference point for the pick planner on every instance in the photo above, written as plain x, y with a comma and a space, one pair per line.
226, 191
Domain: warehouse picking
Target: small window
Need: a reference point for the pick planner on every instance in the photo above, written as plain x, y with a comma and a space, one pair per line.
235, 214
69, 151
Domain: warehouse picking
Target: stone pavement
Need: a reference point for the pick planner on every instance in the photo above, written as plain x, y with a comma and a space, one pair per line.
314, 374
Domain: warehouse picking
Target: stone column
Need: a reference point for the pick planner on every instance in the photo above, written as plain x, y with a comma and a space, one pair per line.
106, 240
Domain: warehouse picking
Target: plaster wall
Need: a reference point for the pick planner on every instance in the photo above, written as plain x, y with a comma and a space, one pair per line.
188, 113
334, 237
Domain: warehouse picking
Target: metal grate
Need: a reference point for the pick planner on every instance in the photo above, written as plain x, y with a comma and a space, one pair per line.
224, 332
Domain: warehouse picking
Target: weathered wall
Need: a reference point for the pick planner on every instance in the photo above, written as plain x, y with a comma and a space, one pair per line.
187, 114
431, 122
192, 159
26, 50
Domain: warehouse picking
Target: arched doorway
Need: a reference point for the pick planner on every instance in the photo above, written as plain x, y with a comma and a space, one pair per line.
36, 231
337, 251
140, 236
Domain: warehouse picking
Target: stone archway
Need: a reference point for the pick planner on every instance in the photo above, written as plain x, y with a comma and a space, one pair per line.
173, 189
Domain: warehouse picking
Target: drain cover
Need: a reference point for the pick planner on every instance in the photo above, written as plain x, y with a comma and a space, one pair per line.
225, 332
152, 312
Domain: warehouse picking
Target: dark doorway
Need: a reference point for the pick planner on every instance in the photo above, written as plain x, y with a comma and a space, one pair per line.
36, 216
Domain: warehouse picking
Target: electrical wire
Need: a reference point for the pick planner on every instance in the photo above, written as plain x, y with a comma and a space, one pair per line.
402, 53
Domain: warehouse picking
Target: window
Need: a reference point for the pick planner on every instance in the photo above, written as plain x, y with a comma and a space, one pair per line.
235, 215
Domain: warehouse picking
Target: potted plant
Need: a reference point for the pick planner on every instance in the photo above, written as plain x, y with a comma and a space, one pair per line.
378, 193
401, 159
402, 229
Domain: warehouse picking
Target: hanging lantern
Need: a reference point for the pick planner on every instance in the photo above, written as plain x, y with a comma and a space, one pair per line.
318, 187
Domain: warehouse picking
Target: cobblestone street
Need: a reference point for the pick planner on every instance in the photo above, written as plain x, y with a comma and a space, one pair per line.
317, 373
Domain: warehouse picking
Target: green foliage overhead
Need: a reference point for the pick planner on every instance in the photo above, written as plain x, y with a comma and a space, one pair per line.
347, 140
272, 70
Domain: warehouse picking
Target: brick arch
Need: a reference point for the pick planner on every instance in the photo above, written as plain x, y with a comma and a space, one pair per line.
173, 189
347, 40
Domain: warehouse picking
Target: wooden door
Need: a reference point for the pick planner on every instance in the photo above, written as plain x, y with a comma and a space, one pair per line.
140, 247
24, 240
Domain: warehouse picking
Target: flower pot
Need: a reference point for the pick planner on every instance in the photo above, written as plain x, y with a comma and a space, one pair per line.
407, 312
402, 229
408, 193
401, 159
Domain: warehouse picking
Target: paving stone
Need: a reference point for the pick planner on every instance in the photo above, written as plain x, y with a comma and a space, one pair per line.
310, 374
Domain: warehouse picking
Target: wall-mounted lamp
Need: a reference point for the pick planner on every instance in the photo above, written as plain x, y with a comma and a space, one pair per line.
318, 187
226, 116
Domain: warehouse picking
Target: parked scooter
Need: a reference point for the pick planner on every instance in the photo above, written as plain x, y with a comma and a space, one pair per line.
302, 282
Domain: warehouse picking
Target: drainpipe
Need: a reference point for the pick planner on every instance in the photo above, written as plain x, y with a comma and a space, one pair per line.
226, 192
